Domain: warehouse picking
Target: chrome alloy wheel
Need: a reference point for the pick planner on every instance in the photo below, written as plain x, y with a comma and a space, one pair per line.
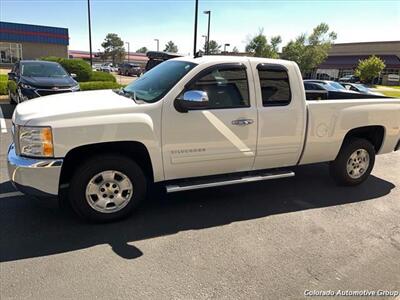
358, 163
109, 191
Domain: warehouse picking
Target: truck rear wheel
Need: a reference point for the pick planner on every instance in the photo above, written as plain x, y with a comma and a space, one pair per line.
107, 188
354, 162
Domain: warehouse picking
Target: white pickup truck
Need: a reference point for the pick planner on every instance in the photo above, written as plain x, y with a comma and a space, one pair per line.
192, 123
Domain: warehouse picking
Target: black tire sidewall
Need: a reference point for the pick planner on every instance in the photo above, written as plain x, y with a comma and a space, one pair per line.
338, 167
96, 165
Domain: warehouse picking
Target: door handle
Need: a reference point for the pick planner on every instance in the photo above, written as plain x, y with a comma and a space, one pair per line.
242, 122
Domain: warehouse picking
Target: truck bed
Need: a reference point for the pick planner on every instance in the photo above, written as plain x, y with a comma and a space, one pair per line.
330, 121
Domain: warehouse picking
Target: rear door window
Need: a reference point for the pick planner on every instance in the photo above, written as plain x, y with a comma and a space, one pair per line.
274, 83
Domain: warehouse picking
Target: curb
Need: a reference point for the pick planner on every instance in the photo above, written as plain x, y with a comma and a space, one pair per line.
4, 99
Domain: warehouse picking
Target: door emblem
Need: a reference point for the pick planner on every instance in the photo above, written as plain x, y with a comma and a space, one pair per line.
183, 151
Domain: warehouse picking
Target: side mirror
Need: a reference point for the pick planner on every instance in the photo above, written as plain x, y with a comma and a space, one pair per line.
192, 100
73, 75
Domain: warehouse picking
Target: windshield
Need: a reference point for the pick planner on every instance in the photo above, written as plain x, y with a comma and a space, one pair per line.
38, 69
154, 84
362, 88
336, 85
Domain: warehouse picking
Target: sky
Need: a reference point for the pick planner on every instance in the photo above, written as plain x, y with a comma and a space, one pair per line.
233, 22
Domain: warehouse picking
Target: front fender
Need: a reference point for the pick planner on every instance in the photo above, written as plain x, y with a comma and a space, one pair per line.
138, 127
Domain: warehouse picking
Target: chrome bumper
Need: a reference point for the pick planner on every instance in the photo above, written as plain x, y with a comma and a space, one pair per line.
38, 177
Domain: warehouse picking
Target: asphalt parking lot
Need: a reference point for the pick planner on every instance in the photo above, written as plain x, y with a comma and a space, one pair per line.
269, 240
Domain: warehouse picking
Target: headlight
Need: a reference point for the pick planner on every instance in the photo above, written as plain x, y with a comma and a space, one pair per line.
26, 86
75, 88
35, 141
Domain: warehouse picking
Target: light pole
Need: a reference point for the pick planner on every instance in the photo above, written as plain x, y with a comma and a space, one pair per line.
128, 50
90, 34
205, 42
226, 45
208, 12
158, 44
196, 12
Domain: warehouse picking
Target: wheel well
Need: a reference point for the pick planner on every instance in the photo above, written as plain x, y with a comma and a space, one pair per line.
373, 134
134, 150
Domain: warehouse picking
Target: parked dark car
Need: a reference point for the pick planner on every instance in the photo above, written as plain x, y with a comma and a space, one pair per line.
328, 85
129, 69
350, 78
319, 91
315, 91
29, 79
157, 57
360, 88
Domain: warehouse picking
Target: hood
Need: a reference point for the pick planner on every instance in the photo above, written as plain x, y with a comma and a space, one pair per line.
66, 81
71, 105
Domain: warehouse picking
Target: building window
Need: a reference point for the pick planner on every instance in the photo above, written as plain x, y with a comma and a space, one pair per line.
10, 52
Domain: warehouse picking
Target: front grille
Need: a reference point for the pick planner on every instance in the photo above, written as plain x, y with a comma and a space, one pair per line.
51, 92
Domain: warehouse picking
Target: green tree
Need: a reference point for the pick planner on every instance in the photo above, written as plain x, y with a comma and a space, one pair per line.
142, 50
235, 50
213, 47
310, 51
259, 46
114, 48
171, 47
370, 68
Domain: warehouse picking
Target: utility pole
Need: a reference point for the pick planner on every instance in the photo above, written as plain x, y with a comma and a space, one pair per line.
158, 44
208, 12
205, 43
90, 34
196, 10
128, 50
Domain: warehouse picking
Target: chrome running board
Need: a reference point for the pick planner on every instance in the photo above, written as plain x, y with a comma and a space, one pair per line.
266, 176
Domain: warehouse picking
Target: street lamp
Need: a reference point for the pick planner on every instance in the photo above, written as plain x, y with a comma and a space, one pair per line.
90, 33
99, 55
226, 45
208, 12
128, 50
205, 42
158, 44
196, 12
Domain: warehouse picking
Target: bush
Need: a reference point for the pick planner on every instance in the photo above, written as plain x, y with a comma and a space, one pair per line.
52, 58
370, 68
80, 67
99, 85
102, 76
3, 87
3, 77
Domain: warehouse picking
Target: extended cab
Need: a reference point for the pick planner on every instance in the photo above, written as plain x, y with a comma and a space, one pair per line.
192, 123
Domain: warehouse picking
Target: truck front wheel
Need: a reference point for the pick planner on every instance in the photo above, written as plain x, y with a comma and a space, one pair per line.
107, 188
354, 162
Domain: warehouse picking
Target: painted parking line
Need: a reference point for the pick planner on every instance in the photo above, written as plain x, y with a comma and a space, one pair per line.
11, 194
2, 122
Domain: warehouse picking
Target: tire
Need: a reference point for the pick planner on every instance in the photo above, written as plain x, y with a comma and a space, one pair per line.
99, 189
354, 162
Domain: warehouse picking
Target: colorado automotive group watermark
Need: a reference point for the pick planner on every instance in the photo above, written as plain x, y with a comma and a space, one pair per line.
350, 293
